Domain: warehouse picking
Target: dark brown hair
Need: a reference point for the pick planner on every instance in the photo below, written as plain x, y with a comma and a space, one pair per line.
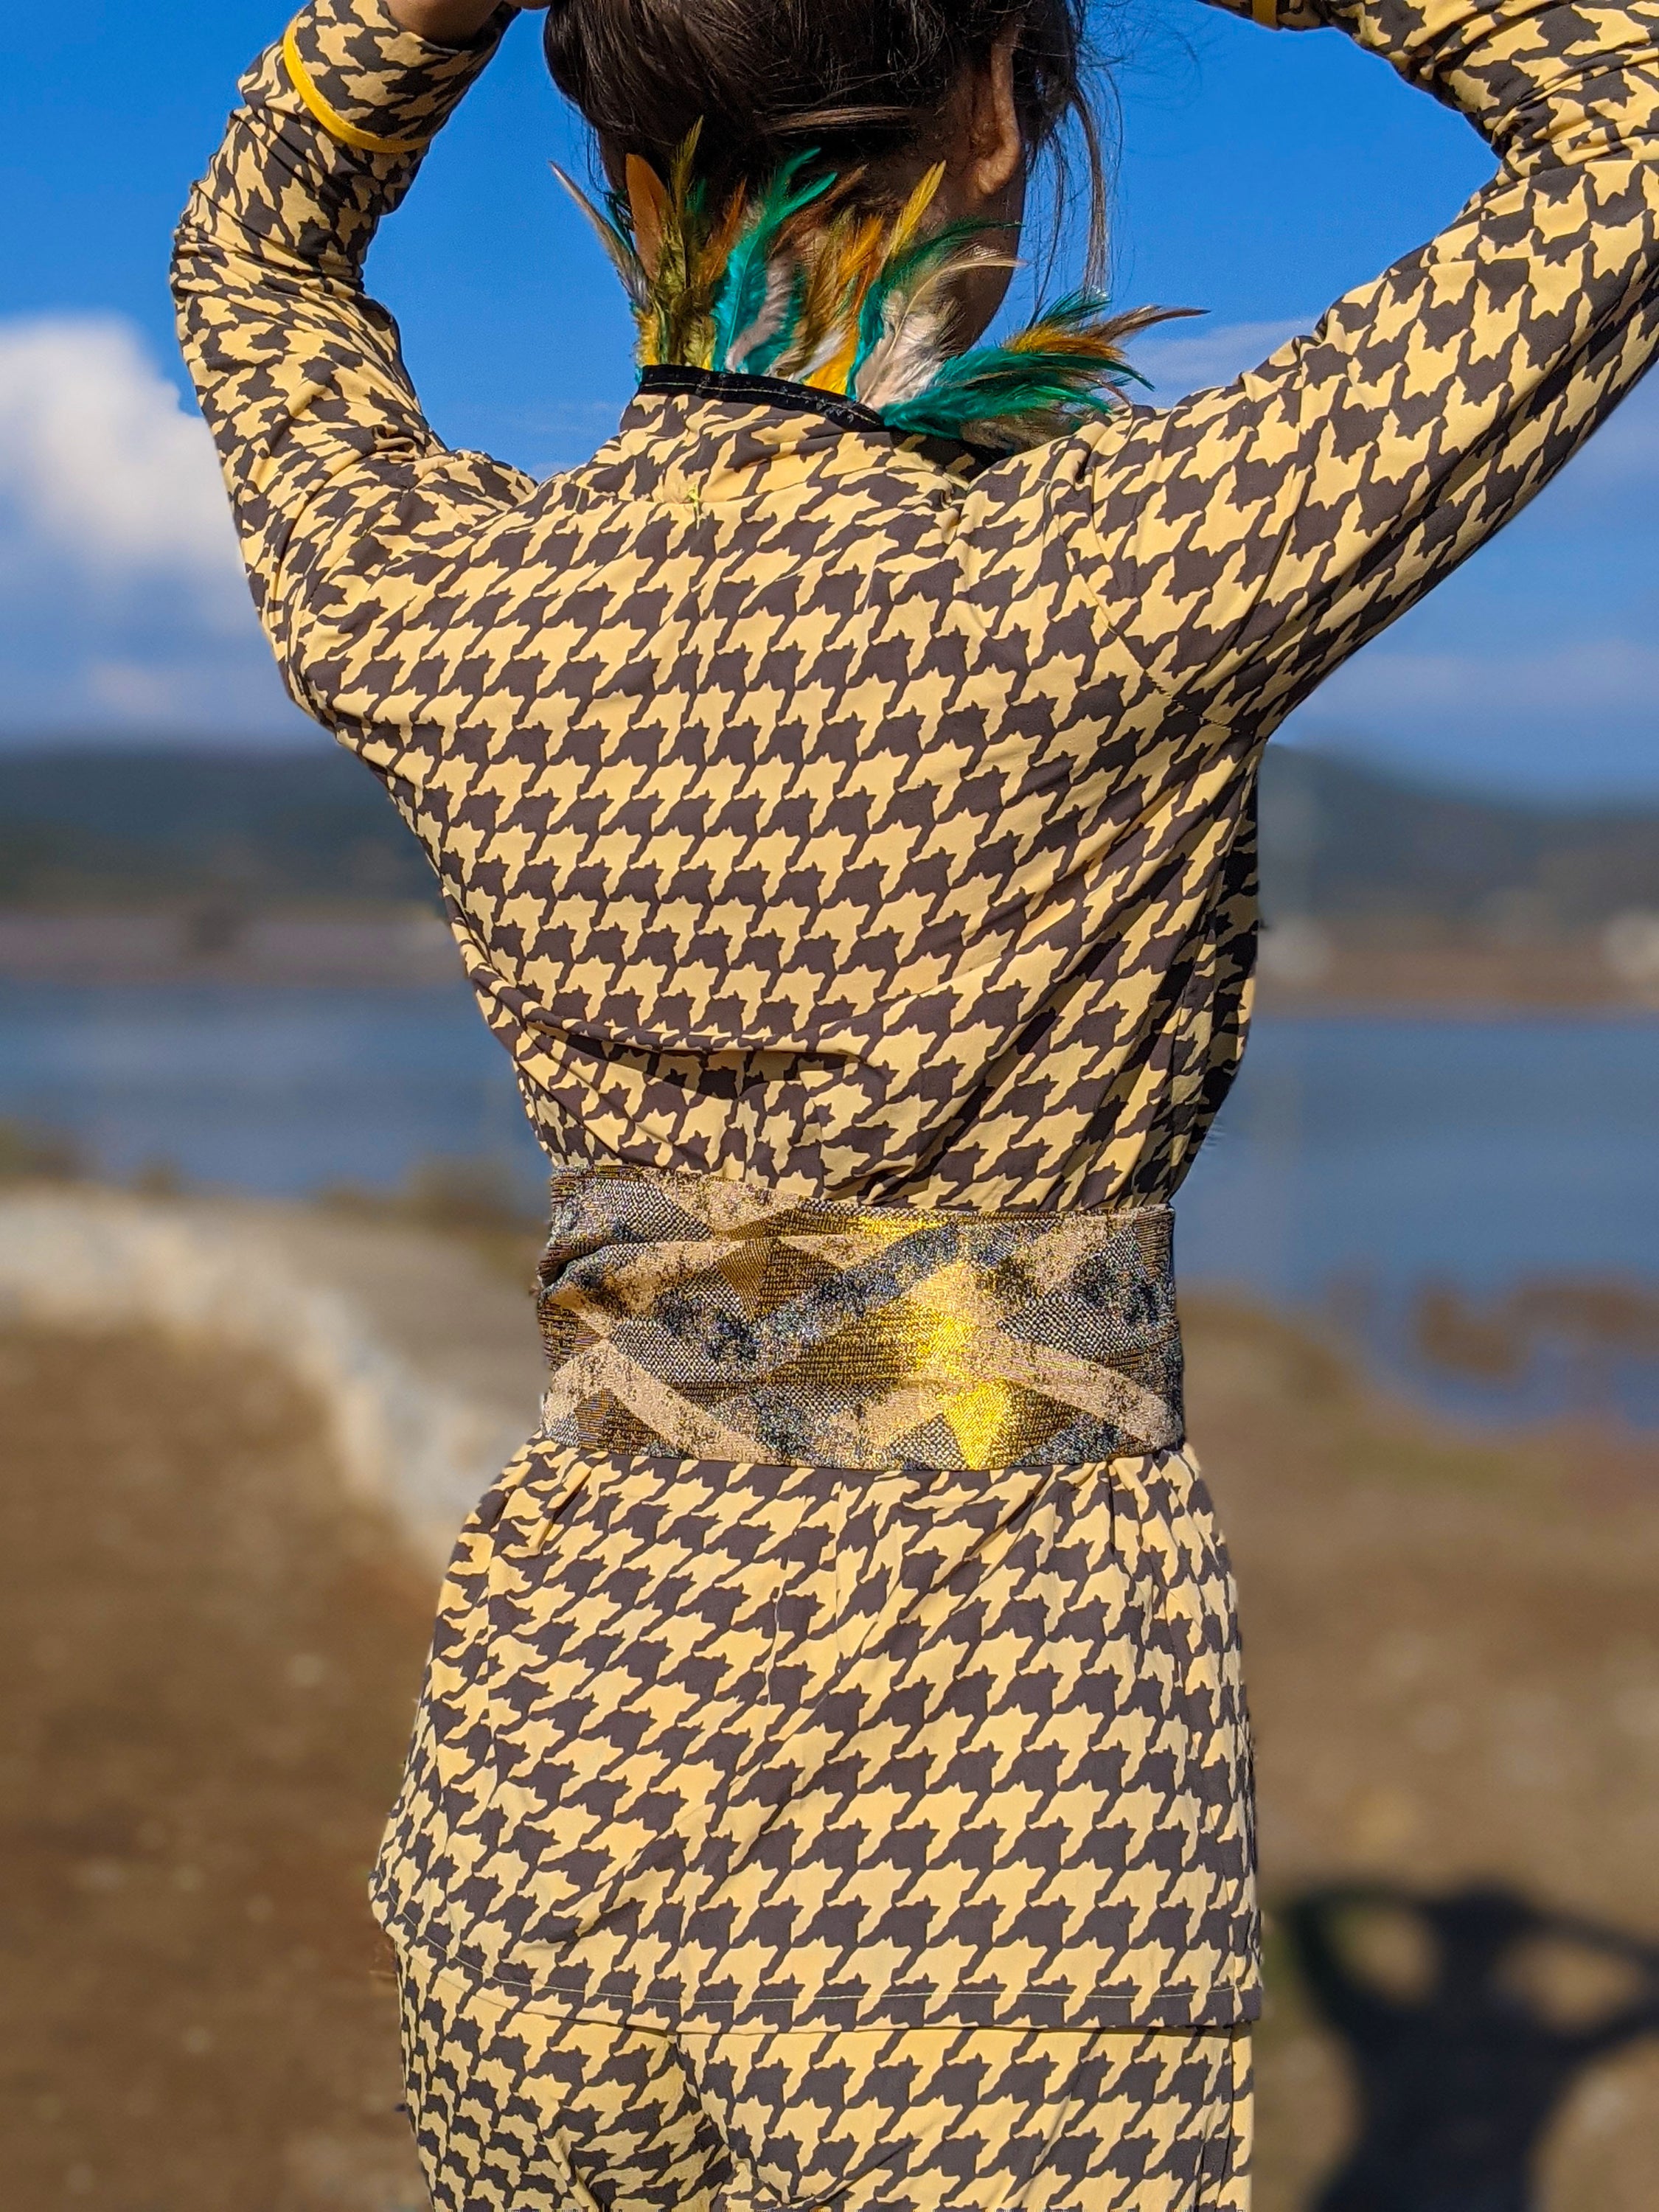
865, 81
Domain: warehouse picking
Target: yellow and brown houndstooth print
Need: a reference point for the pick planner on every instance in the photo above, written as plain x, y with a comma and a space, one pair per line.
539, 2112
728, 1745
807, 813
852, 830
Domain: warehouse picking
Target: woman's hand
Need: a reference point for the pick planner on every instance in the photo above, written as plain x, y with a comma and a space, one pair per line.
450, 22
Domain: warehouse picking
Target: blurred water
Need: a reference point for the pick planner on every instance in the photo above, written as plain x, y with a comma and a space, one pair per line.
1362, 1159
280, 1092
1393, 1148
1368, 1152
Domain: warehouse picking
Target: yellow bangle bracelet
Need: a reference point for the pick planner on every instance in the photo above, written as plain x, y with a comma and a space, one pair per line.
363, 141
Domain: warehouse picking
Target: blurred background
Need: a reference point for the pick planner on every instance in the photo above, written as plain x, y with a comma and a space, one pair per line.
268, 1204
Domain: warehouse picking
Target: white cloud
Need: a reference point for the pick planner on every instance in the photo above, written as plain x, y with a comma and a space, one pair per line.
123, 604
1195, 356
143, 695
99, 462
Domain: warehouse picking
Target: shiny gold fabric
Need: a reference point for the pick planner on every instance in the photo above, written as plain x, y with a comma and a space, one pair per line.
686, 1315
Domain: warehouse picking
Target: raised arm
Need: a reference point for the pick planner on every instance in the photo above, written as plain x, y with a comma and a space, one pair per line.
447, 22
1249, 540
300, 372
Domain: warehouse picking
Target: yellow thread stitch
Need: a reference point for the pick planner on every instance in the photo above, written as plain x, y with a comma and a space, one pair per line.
363, 141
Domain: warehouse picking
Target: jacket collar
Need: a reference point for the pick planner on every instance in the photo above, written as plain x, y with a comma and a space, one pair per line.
691, 433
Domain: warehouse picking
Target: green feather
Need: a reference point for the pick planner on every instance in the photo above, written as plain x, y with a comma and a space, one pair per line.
1065, 369
1004, 393
1062, 370
743, 294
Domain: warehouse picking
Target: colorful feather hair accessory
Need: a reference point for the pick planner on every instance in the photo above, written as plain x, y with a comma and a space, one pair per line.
795, 281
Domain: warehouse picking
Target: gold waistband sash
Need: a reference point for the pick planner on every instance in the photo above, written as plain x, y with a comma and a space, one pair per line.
689, 1317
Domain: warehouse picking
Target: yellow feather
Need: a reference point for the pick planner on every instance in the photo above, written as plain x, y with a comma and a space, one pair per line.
910, 214
1103, 339
857, 264
679, 173
821, 258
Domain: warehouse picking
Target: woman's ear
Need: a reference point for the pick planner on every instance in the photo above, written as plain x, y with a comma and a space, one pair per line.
996, 146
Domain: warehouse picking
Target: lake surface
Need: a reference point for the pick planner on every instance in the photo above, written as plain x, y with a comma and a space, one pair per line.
1366, 1154
278, 1091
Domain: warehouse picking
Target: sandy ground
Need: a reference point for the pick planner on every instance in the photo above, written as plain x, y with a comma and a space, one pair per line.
206, 1674
209, 1663
1452, 1644
1356, 971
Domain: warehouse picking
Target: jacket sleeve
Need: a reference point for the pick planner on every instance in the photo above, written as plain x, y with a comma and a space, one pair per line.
300, 373
1247, 541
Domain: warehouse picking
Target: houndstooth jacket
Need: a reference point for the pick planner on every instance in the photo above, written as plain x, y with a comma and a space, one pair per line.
827, 825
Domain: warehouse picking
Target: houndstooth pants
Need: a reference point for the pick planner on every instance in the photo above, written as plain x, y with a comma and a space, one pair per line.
521, 2110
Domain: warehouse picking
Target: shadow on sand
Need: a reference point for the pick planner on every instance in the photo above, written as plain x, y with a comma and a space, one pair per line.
1468, 2018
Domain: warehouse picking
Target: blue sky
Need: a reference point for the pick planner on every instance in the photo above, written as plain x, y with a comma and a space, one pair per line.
1261, 177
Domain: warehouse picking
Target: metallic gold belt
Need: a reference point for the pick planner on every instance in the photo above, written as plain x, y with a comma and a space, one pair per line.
691, 1317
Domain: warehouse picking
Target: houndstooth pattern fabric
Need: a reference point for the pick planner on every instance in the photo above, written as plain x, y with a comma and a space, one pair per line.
855, 831
539, 2112
806, 813
685, 1313
741, 1746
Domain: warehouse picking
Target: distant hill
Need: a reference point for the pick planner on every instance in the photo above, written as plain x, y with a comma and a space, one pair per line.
114, 828
1345, 843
